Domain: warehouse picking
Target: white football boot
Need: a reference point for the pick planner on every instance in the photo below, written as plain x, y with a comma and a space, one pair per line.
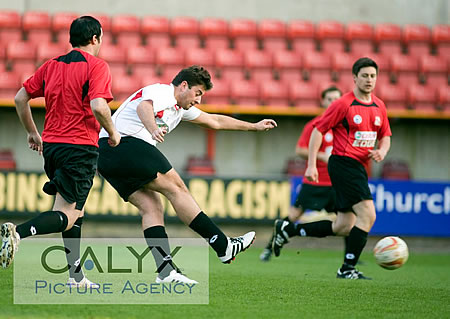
175, 277
236, 245
10, 244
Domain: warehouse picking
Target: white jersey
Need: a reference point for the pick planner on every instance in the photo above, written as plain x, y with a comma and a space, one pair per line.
167, 113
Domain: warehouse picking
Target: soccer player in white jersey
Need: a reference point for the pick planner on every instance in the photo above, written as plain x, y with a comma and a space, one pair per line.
139, 171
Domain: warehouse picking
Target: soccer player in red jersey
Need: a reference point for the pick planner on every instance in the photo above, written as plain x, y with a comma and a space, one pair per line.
313, 196
77, 88
358, 120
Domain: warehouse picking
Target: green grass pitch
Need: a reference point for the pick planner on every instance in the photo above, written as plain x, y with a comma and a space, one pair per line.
296, 285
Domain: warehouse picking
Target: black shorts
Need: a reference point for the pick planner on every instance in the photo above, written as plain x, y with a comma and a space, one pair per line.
71, 169
316, 198
131, 164
350, 181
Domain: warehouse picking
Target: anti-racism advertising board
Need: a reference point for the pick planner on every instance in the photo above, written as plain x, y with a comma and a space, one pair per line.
403, 207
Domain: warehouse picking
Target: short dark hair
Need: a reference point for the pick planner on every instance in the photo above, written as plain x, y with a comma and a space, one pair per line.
363, 63
83, 29
194, 75
330, 89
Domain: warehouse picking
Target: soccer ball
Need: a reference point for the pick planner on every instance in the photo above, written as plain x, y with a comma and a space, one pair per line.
391, 252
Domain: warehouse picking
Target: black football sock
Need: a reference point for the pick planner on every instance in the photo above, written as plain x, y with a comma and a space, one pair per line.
157, 240
269, 244
356, 242
71, 240
290, 228
205, 227
321, 228
45, 223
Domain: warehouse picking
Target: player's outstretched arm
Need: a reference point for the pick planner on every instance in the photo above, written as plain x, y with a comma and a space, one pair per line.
224, 122
23, 110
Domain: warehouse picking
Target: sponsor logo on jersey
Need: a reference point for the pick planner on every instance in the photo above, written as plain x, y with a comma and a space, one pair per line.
328, 137
365, 139
357, 119
377, 121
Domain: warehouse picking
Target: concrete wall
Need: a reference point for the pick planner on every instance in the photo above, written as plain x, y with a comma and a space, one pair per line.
428, 12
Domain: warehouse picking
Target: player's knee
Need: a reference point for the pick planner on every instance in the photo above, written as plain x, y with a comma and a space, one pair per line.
342, 229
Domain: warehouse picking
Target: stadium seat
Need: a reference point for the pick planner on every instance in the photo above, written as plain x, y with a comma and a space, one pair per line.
243, 92
388, 38
274, 93
113, 54
214, 32
417, 39
10, 26
304, 95
37, 26
7, 161
287, 65
395, 169
341, 64
440, 36
272, 34
302, 35
61, 22
434, 70
20, 51
104, 19
259, 65
201, 166
169, 61
443, 98
243, 32
149, 79
155, 30
230, 64
317, 66
124, 86
186, 32
295, 166
405, 68
126, 29
46, 51
422, 97
9, 84
200, 56
359, 37
394, 96
219, 94
141, 60
331, 36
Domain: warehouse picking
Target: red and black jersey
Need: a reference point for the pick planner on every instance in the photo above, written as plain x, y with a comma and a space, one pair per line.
68, 83
356, 126
326, 147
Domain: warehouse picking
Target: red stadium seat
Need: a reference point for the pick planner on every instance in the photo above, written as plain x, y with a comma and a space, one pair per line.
405, 68
126, 29
185, 31
170, 61
155, 30
10, 26
341, 64
272, 34
230, 64
295, 166
388, 37
434, 69
21, 51
258, 64
104, 20
200, 166
302, 35
274, 93
243, 32
219, 94
124, 86
9, 84
63, 20
422, 97
7, 161
331, 36
317, 66
440, 36
359, 37
443, 98
287, 64
37, 26
394, 96
199, 56
395, 170
244, 92
214, 32
417, 39
113, 54
141, 60
47, 51
304, 95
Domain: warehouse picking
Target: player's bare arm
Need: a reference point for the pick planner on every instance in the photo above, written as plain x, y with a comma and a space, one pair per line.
303, 153
102, 113
383, 148
147, 116
224, 122
314, 145
24, 112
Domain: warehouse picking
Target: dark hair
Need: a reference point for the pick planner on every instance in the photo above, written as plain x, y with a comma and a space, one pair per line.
194, 75
330, 89
83, 29
363, 63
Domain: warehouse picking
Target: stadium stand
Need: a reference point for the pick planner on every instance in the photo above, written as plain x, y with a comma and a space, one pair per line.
244, 92
10, 26
394, 96
126, 30
295, 166
330, 35
220, 95
274, 93
317, 66
417, 39
440, 37
37, 26
214, 32
155, 30
186, 32
388, 38
230, 64
258, 65
395, 169
302, 35
359, 38
243, 33
304, 95
140, 60
422, 98
434, 70
61, 24
169, 61
272, 34
7, 161
201, 166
